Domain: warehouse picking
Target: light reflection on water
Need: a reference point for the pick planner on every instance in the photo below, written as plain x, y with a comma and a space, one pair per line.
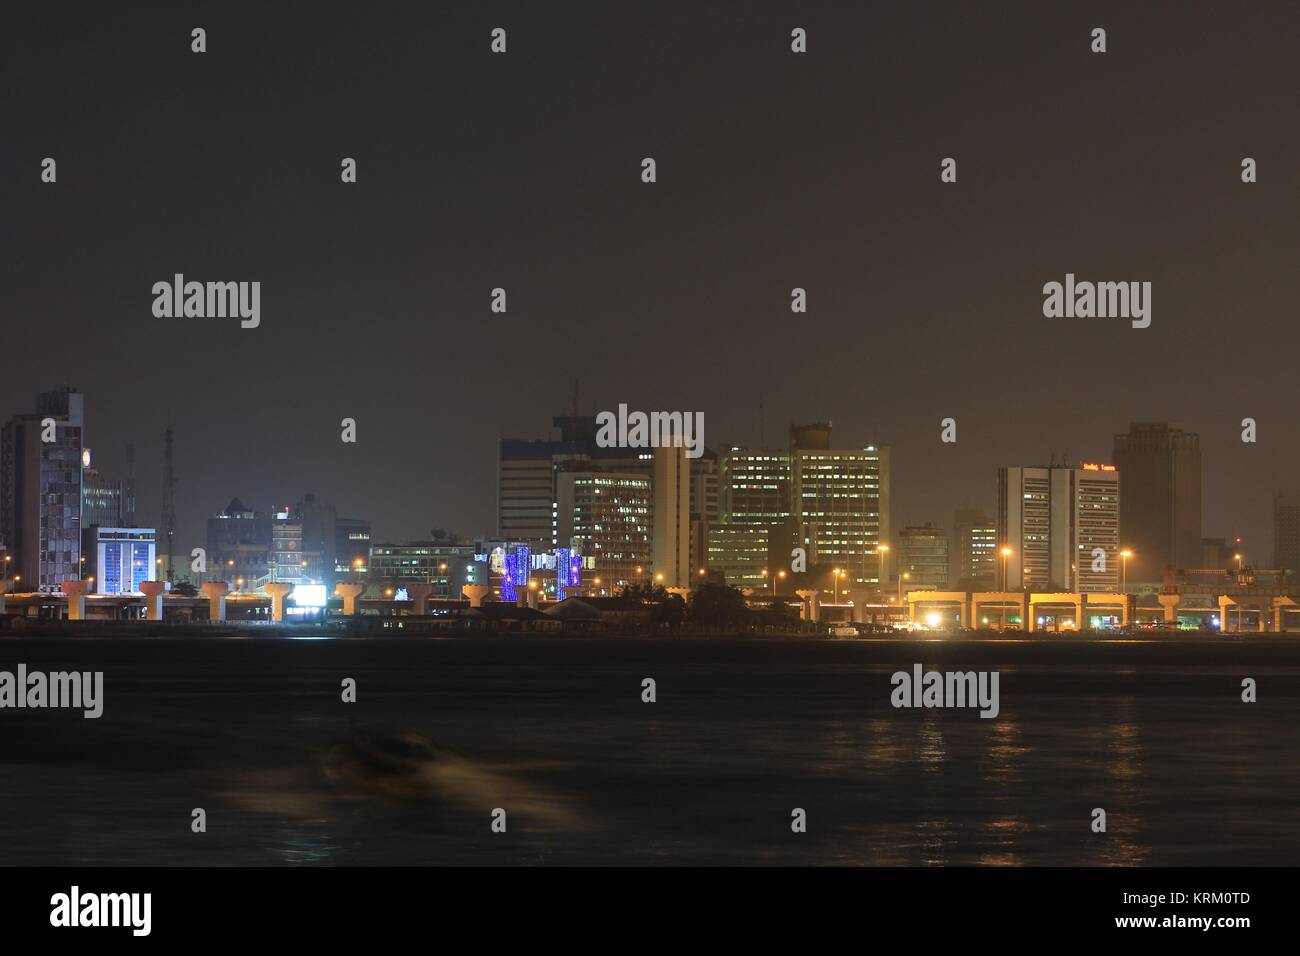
709, 773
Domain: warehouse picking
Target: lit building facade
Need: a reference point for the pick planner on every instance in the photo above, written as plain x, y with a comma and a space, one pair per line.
40, 491
975, 549
606, 516
840, 501
923, 556
1062, 526
444, 564
755, 529
119, 558
740, 553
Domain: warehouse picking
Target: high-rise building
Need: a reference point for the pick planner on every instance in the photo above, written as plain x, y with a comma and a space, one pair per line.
755, 531
705, 505
740, 553
1062, 526
102, 499
1160, 521
975, 541
239, 545
1286, 533
923, 555
527, 472
40, 490
607, 516
670, 537
351, 546
840, 503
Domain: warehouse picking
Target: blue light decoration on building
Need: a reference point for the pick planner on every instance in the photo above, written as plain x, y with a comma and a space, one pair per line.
568, 572
518, 566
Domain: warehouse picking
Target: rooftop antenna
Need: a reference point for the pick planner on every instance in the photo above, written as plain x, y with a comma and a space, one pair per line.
168, 501
128, 492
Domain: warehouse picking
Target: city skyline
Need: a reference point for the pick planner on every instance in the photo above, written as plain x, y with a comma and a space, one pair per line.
1259, 552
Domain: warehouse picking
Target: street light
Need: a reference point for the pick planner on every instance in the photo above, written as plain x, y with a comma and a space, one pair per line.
905, 576
1237, 558
779, 574
882, 550
836, 577
1123, 569
1002, 608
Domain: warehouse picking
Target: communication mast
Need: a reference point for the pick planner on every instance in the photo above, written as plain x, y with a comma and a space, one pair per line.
168, 523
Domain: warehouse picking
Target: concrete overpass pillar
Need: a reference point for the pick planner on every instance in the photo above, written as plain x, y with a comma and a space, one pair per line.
5, 585
216, 592
808, 610
277, 591
419, 595
1030, 617
1225, 602
153, 592
475, 593
1263, 615
1078, 612
1280, 604
76, 593
1170, 604
349, 593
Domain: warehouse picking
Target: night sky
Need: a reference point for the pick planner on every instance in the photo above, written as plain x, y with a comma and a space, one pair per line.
775, 170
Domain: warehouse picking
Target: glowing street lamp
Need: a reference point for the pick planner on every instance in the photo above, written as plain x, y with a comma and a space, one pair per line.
779, 574
905, 576
1002, 608
1123, 569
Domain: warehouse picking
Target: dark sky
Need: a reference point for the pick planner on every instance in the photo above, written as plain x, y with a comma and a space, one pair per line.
775, 171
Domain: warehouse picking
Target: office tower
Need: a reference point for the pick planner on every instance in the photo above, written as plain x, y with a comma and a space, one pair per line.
1286, 533
288, 562
975, 540
923, 556
40, 490
607, 516
840, 503
447, 565
670, 537
705, 505
740, 553
1062, 526
351, 547
527, 473
239, 546
102, 499
1160, 520
755, 532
